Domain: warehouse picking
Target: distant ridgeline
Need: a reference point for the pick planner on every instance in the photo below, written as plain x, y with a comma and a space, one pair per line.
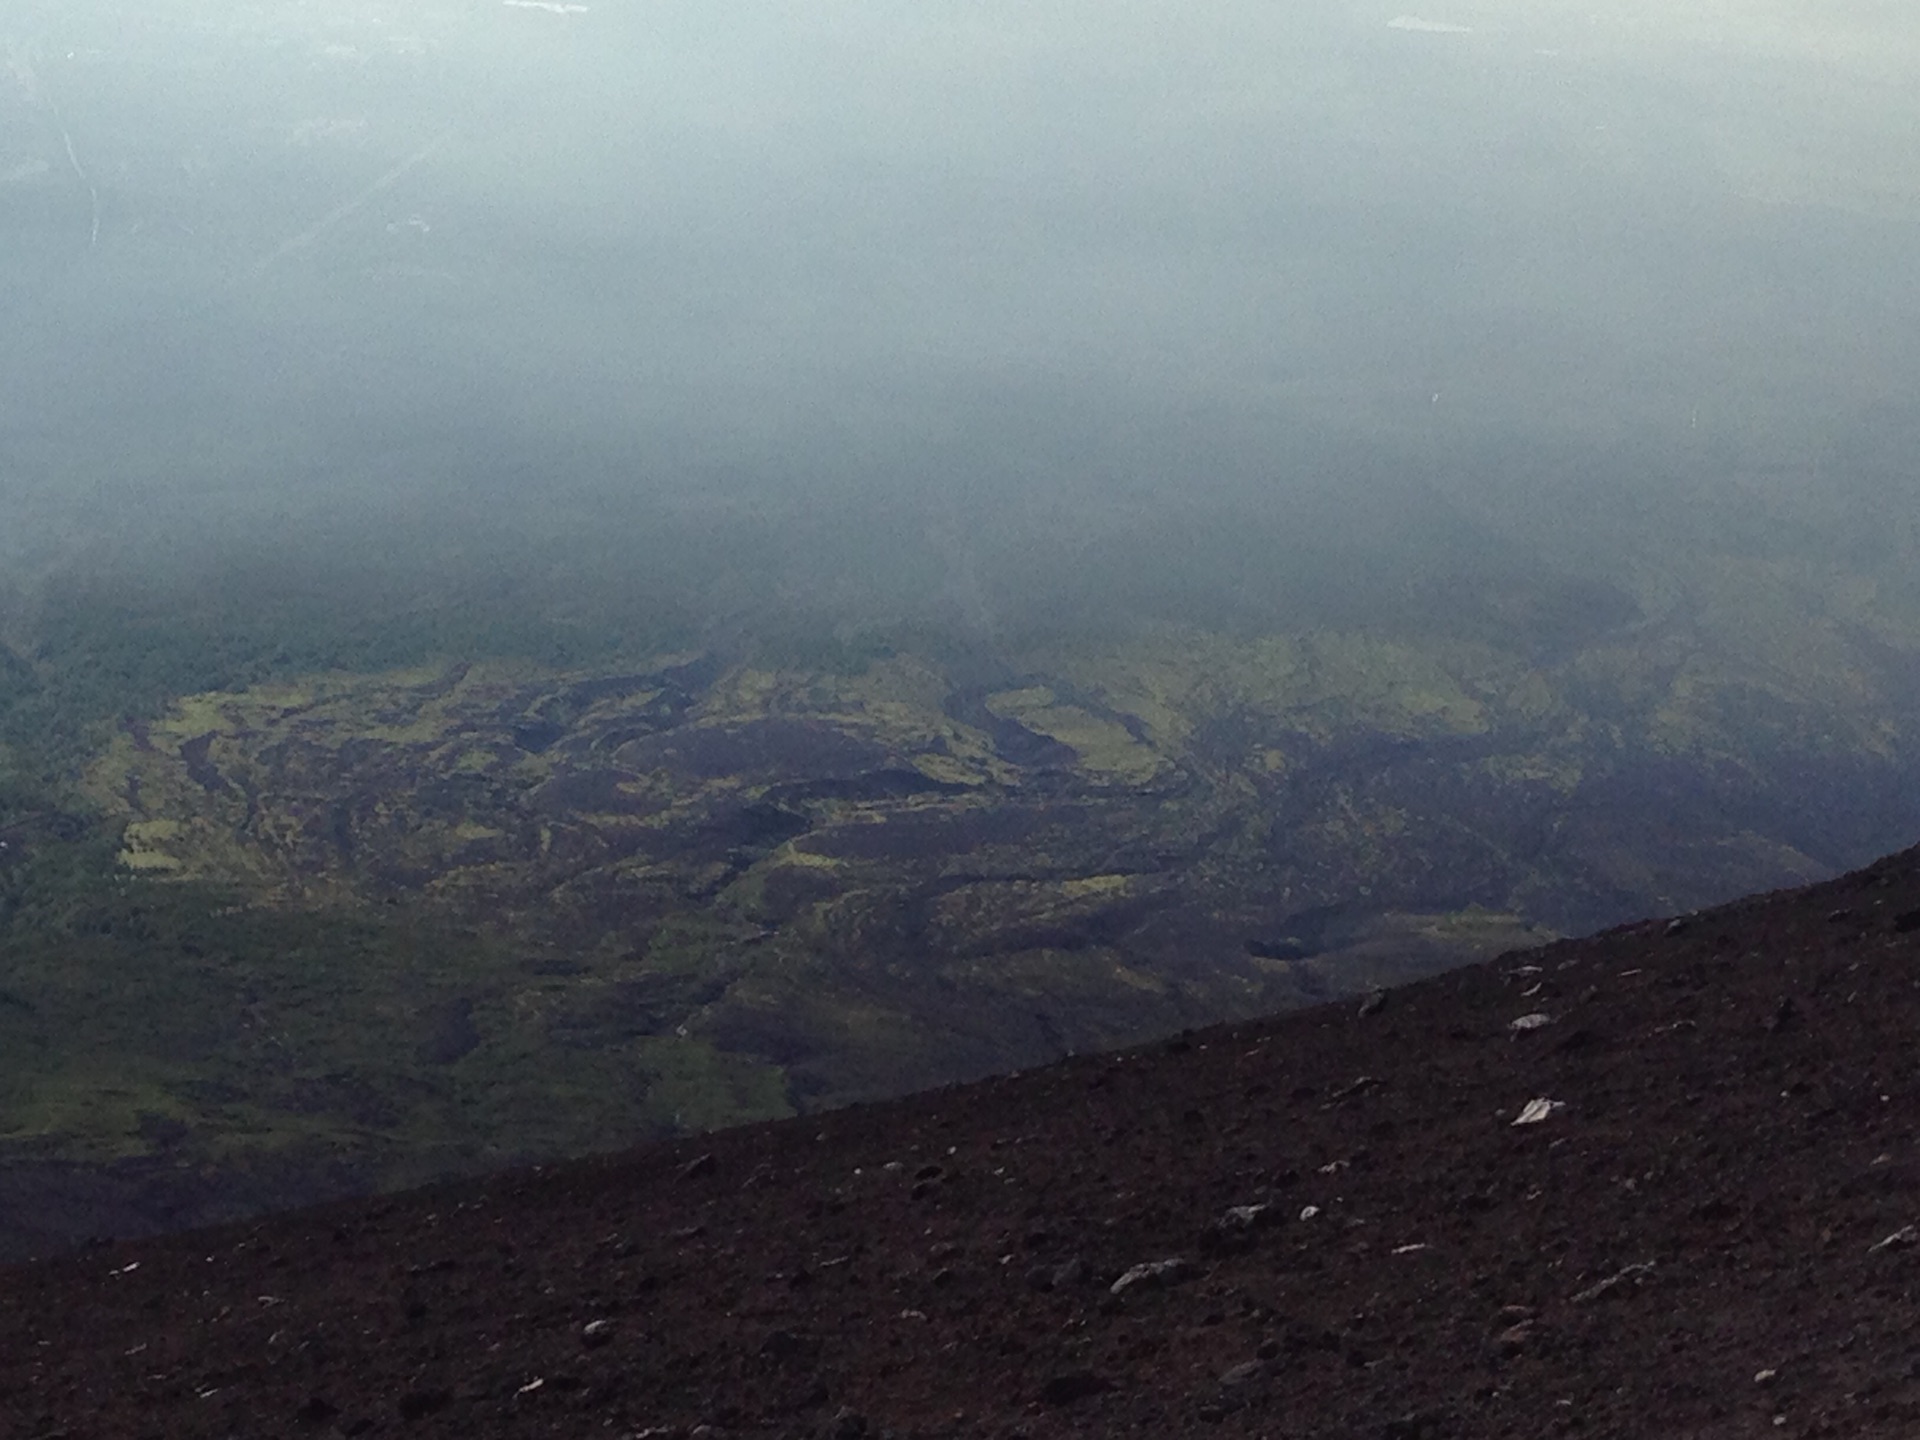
301, 896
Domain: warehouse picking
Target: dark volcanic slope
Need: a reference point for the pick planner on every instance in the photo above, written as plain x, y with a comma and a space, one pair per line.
1712, 1237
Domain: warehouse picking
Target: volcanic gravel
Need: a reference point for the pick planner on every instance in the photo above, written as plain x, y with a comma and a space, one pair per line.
1327, 1224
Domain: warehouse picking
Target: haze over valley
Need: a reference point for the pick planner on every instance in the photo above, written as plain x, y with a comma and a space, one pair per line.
576, 572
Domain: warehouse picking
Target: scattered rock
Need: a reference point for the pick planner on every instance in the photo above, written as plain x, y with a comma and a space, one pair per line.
1231, 1230
1529, 1022
1373, 1004
596, 1333
1630, 1275
1534, 1111
1150, 1275
1244, 1373
1515, 1338
695, 1168
1901, 1239
1247, 1217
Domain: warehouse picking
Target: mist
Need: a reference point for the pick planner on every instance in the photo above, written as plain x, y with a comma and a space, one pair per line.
922, 300
575, 571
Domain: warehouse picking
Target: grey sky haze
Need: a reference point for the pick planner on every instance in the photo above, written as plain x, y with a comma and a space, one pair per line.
271, 256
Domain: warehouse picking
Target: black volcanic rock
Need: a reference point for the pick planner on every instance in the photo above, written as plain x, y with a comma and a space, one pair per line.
1711, 1235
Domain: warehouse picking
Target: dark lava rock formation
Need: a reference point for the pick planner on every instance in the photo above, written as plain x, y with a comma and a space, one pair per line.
1329, 1224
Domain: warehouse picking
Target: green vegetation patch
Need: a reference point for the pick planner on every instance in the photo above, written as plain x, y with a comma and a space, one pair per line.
490, 889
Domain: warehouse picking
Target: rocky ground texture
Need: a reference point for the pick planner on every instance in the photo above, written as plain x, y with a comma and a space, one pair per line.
1662, 1182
